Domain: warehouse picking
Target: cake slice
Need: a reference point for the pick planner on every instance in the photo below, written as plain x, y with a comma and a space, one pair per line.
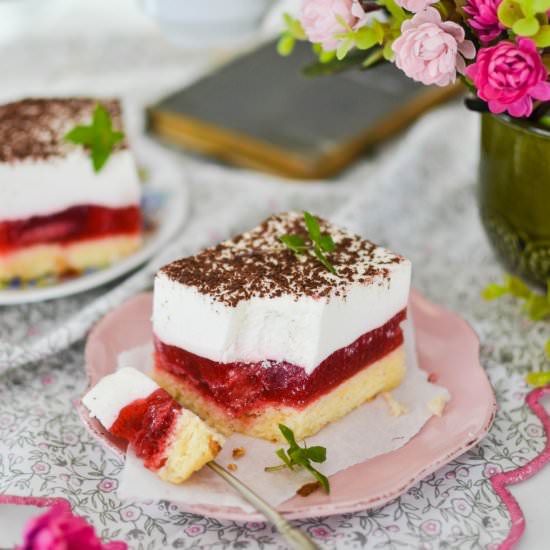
57, 214
171, 441
249, 334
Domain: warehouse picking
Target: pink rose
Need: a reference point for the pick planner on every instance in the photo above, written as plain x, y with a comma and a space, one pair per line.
415, 5
430, 50
322, 20
509, 76
59, 529
484, 19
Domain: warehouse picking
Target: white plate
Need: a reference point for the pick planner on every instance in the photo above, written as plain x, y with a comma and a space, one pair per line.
165, 208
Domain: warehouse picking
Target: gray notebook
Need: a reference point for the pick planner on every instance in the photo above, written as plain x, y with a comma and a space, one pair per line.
260, 110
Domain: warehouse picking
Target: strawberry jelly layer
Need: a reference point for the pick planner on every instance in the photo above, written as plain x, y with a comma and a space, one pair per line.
147, 425
241, 388
74, 224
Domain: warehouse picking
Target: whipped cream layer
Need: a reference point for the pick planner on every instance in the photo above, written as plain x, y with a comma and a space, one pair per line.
38, 187
115, 391
250, 299
41, 173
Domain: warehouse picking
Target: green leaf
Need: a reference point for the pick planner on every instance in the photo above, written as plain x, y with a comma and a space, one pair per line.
387, 52
294, 27
509, 12
322, 258
80, 135
365, 38
99, 137
288, 434
326, 243
542, 38
294, 243
541, 6
538, 379
528, 26
379, 31
298, 456
313, 227
333, 65
493, 291
527, 7
316, 453
285, 45
323, 480
283, 456
344, 48
375, 57
517, 287
537, 307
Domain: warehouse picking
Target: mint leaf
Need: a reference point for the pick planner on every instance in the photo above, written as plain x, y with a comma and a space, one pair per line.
319, 243
322, 479
313, 227
281, 453
288, 434
301, 456
294, 242
317, 454
322, 258
326, 243
99, 137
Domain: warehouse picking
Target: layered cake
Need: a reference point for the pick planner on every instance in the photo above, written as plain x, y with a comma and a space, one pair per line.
58, 214
171, 441
248, 334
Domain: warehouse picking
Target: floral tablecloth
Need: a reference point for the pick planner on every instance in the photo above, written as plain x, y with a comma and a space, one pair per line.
417, 196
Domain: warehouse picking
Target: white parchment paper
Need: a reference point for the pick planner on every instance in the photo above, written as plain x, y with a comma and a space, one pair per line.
367, 432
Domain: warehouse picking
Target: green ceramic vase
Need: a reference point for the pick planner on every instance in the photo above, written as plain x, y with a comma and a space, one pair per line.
514, 195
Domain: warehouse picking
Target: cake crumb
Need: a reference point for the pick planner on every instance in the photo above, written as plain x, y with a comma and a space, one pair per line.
308, 488
232, 467
396, 408
239, 452
437, 405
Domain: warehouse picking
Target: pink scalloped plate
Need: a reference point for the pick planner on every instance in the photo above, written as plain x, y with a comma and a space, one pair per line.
447, 348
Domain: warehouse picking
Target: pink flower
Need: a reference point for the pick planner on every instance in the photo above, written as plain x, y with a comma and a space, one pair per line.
415, 5
322, 20
59, 529
320, 532
484, 19
491, 470
431, 527
430, 50
509, 76
107, 485
40, 468
194, 530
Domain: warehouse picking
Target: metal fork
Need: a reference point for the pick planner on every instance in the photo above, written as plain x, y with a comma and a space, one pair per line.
295, 538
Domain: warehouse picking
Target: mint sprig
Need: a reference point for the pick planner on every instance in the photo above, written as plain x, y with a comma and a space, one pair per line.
535, 305
99, 137
296, 456
320, 244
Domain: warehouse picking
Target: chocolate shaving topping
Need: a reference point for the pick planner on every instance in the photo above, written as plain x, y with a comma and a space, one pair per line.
257, 264
35, 128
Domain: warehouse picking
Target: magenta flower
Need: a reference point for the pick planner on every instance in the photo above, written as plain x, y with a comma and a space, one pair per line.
430, 50
509, 76
322, 20
59, 529
484, 19
194, 530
